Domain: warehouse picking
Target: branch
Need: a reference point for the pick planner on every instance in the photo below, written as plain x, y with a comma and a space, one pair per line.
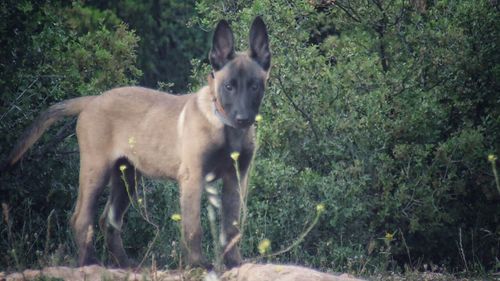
13, 104
297, 108
351, 15
378, 4
63, 133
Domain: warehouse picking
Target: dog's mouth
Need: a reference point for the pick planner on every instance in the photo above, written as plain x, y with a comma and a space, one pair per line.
236, 122
243, 124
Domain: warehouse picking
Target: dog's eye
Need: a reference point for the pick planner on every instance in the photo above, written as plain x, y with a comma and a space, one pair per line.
228, 87
254, 87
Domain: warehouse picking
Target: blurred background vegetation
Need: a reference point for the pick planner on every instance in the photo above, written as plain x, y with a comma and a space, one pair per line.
384, 111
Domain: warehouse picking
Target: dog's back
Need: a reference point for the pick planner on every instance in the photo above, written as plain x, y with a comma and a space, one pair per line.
135, 123
112, 123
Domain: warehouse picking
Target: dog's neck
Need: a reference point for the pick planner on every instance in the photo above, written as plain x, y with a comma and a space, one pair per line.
217, 107
221, 115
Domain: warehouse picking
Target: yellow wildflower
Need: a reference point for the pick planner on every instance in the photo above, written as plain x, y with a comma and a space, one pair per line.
235, 155
176, 217
139, 201
389, 236
123, 168
131, 142
264, 246
258, 118
492, 158
320, 208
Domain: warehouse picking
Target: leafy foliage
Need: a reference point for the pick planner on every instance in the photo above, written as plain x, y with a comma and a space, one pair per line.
51, 52
384, 111
168, 39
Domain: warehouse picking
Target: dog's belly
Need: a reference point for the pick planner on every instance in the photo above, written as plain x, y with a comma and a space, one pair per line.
157, 161
151, 148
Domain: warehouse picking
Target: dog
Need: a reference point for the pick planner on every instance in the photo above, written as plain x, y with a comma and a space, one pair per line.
132, 131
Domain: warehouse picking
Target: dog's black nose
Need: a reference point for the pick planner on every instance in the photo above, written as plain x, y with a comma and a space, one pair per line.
242, 119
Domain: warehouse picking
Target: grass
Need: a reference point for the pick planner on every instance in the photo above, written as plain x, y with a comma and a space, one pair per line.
163, 253
153, 237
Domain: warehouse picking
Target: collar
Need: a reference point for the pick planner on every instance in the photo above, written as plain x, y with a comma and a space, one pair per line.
222, 116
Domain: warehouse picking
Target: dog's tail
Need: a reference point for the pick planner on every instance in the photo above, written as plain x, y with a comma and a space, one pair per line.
56, 112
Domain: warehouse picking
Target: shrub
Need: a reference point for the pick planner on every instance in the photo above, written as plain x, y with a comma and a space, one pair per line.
386, 113
50, 52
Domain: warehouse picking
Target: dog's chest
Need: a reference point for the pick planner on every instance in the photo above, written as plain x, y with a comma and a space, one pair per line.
236, 139
218, 159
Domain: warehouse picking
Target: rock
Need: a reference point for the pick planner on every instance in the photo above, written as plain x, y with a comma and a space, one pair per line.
90, 273
274, 272
246, 272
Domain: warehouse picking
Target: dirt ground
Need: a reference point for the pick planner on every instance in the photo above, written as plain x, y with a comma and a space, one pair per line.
246, 272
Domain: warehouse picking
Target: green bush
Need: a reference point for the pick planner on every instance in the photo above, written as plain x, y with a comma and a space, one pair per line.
50, 52
386, 113
168, 39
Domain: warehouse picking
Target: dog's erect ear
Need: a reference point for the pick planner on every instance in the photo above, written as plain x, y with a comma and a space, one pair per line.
222, 46
259, 43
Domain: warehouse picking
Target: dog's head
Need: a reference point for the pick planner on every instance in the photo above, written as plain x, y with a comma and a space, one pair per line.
239, 79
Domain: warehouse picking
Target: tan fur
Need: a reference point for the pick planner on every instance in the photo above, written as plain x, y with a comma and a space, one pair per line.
142, 126
35, 131
159, 135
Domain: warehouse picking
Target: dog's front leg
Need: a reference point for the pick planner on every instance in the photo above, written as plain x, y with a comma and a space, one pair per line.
191, 186
231, 200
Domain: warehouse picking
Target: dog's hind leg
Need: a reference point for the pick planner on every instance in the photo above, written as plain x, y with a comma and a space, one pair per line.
94, 175
124, 181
